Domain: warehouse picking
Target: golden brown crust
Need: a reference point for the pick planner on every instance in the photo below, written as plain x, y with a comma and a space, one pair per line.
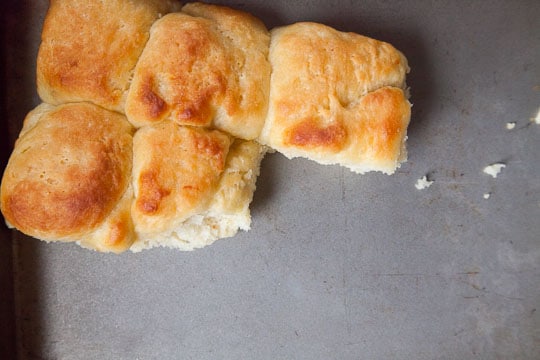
208, 68
150, 192
116, 233
381, 129
310, 134
89, 48
324, 84
176, 170
68, 171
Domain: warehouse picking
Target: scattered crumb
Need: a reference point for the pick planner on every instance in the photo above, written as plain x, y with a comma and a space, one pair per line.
423, 183
487, 195
494, 169
537, 118
510, 125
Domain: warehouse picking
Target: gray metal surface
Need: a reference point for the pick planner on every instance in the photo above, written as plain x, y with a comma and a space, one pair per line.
337, 265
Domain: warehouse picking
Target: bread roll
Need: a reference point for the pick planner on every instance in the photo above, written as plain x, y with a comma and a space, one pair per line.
68, 178
197, 88
336, 98
89, 48
192, 185
204, 67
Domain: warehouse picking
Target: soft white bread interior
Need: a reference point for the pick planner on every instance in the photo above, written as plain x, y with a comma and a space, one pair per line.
192, 185
89, 48
207, 66
68, 178
337, 98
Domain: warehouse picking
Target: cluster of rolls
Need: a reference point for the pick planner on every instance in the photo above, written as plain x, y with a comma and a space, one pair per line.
156, 116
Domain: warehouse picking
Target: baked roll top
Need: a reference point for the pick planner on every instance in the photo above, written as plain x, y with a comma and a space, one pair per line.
68, 177
336, 98
89, 48
192, 185
206, 66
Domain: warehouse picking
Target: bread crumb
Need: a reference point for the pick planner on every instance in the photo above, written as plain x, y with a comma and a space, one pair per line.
494, 169
536, 119
487, 195
510, 125
423, 183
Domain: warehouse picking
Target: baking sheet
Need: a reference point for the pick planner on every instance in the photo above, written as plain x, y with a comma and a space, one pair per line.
337, 265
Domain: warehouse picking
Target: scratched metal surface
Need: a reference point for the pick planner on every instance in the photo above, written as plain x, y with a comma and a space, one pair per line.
337, 265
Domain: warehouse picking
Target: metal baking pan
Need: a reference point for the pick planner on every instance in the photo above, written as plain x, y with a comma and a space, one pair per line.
337, 265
